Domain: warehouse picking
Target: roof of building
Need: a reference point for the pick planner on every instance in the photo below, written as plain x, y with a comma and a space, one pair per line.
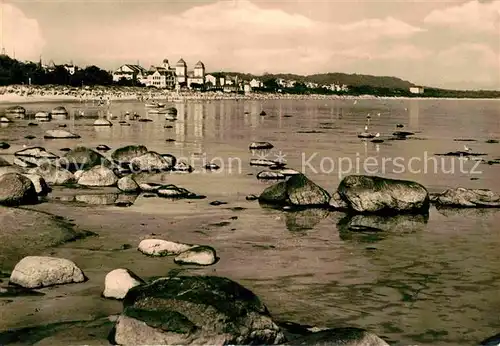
165, 61
136, 68
199, 64
181, 62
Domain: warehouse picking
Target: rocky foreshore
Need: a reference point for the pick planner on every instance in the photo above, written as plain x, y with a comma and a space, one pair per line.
160, 301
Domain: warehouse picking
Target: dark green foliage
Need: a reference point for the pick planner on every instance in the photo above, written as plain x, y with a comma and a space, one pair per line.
16, 72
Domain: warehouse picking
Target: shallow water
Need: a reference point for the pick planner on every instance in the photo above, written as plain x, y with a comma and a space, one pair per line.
424, 281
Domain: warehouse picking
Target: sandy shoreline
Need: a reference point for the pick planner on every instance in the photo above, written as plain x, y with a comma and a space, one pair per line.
15, 99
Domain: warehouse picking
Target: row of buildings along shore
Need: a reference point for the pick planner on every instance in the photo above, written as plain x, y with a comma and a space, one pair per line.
178, 77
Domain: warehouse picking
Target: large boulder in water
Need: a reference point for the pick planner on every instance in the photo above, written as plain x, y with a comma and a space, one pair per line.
98, 176
151, 162
60, 112
41, 187
35, 156
83, 158
340, 336
43, 271
128, 184
123, 156
53, 175
15, 110
372, 194
467, 198
298, 190
16, 189
195, 310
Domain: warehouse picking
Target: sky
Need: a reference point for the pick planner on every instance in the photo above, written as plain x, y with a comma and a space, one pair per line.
441, 43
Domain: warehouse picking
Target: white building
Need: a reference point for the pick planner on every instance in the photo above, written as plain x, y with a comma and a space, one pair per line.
197, 76
254, 83
417, 90
130, 72
210, 81
181, 73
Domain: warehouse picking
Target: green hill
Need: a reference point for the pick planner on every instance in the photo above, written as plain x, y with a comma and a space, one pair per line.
332, 78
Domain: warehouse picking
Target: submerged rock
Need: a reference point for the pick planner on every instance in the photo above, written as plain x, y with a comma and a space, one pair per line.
298, 190
42, 271
15, 110
16, 189
150, 162
36, 156
60, 134
263, 162
97, 199
59, 111
83, 158
124, 155
41, 187
268, 175
172, 191
372, 194
467, 198
172, 111
103, 147
195, 310
98, 176
127, 184
289, 172
212, 166
261, 146
183, 167
103, 122
53, 175
461, 154
159, 247
199, 255
118, 282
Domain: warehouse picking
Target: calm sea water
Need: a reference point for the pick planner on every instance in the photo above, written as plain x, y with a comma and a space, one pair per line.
432, 281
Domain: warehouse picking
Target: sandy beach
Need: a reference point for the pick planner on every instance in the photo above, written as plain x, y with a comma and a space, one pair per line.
23, 94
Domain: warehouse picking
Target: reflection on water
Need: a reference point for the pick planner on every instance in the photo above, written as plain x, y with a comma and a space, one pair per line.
303, 220
372, 228
413, 115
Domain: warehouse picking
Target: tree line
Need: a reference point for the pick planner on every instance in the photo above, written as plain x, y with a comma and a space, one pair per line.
14, 72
